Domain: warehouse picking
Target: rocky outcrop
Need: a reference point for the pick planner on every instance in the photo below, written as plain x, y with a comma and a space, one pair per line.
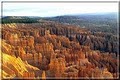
57, 65
45, 49
28, 75
53, 50
7, 48
43, 75
15, 67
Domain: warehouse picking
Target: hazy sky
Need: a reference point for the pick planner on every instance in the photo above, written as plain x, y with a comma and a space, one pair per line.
55, 9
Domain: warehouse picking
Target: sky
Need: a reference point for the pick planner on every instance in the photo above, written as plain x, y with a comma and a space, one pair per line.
56, 9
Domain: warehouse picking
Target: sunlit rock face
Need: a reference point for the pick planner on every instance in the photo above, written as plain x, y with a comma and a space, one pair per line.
49, 50
43, 75
45, 49
13, 67
57, 66
54, 66
107, 74
7, 48
71, 73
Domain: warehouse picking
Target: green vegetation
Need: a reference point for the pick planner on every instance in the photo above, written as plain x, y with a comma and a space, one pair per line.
19, 20
94, 23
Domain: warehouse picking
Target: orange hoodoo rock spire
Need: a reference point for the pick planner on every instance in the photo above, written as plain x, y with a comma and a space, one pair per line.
43, 75
47, 33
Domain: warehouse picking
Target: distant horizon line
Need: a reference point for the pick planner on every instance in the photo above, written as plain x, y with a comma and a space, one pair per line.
97, 13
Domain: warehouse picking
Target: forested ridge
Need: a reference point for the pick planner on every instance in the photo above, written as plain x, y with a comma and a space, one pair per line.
93, 22
51, 49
